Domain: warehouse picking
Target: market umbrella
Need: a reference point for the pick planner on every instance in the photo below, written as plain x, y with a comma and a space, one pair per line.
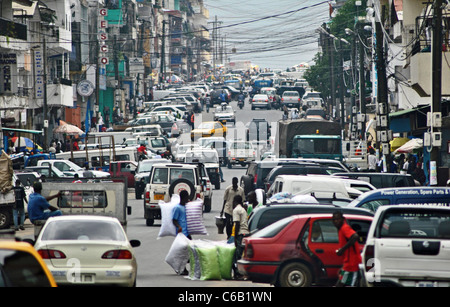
25, 142
65, 128
397, 142
410, 146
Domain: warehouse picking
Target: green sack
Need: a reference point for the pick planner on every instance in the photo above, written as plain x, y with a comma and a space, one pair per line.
209, 263
226, 255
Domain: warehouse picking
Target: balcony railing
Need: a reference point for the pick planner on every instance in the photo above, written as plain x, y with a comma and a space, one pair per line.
13, 29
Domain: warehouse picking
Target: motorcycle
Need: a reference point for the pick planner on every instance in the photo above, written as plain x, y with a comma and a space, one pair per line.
241, 104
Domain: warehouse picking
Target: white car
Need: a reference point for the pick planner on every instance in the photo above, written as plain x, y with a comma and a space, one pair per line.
260, 101
224, 114
407, 245
180, 152
241, 152
70, 169
88, 250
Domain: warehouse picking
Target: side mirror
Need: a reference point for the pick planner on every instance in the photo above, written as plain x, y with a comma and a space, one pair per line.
135, 243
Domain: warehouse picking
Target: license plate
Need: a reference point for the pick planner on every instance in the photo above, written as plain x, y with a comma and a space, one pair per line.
241, 159
426, 284
87, 278
159, 196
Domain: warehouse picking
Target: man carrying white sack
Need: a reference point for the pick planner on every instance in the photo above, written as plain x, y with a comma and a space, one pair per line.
179, 218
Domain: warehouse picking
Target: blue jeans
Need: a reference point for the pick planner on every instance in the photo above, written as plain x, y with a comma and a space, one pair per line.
48, 214
16, 213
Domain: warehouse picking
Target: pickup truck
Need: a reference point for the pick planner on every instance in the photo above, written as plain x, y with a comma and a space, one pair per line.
123, 169
291, 99
407, 245
240, 152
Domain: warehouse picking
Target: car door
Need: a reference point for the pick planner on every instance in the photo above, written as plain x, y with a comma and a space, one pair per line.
323, 241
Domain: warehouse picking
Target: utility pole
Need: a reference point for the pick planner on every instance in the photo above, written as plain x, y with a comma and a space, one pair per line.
333, 85
215, 42
436, 78
382, 99
44, 107
163, 53
341, 87
362, 81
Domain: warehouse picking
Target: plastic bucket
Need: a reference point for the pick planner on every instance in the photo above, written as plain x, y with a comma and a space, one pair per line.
220, 223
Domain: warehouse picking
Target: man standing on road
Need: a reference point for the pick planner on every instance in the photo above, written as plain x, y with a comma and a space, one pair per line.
240, 231
227, 206
349, 249
179, 214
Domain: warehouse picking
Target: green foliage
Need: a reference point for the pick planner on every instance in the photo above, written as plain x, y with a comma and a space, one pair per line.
318, 75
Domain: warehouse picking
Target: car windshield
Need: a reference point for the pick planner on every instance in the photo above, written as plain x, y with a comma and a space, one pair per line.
147, 166
158, 143
206, 126
21, 269
413, 223
273, 229
83, 230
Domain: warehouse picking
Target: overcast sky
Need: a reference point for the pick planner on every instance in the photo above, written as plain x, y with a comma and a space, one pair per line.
285, 37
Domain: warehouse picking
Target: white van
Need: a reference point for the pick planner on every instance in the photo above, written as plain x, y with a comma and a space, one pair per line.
320, 186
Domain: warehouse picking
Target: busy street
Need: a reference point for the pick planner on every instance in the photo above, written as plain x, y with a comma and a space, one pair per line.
192, 145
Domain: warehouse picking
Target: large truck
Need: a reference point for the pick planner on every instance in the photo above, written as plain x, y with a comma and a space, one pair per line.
309, 138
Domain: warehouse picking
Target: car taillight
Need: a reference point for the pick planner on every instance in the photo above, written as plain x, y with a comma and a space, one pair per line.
255, 178
51, 254
254, 100
147, 197
299, 100
117, 254
369, 254
282, 99
249, 251
198, 195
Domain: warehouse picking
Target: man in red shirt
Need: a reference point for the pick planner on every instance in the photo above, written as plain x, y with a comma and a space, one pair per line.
349, 249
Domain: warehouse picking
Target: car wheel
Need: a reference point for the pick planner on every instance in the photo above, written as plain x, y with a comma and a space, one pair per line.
182, 184
295, 275
5, 218
149, 222
207, 205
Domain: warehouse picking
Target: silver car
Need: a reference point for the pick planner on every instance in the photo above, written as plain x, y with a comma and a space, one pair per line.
260, 101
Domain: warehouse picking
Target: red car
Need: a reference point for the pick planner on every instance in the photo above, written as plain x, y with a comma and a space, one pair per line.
288, 254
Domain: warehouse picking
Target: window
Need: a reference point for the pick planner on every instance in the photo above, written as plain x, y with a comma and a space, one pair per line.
83, 199
83, 230
374, 204
178, 173
161, 175
324, 231
273, 229
422, 224
21, 269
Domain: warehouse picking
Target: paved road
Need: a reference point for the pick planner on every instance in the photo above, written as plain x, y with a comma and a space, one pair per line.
153, 271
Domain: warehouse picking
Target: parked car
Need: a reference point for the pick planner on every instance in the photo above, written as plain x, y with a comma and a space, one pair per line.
261, 101
290, 99
103, 253
22, 266
263, 216
298, 251
408, 246
70, 169
300, 169
373, 200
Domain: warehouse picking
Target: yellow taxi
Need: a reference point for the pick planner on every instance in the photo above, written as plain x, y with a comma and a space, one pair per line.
208, 129
22, 266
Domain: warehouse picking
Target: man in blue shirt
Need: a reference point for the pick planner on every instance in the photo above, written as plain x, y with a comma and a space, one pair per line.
39, 207
179, 214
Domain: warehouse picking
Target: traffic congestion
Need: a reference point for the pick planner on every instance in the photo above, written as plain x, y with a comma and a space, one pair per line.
238, 177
